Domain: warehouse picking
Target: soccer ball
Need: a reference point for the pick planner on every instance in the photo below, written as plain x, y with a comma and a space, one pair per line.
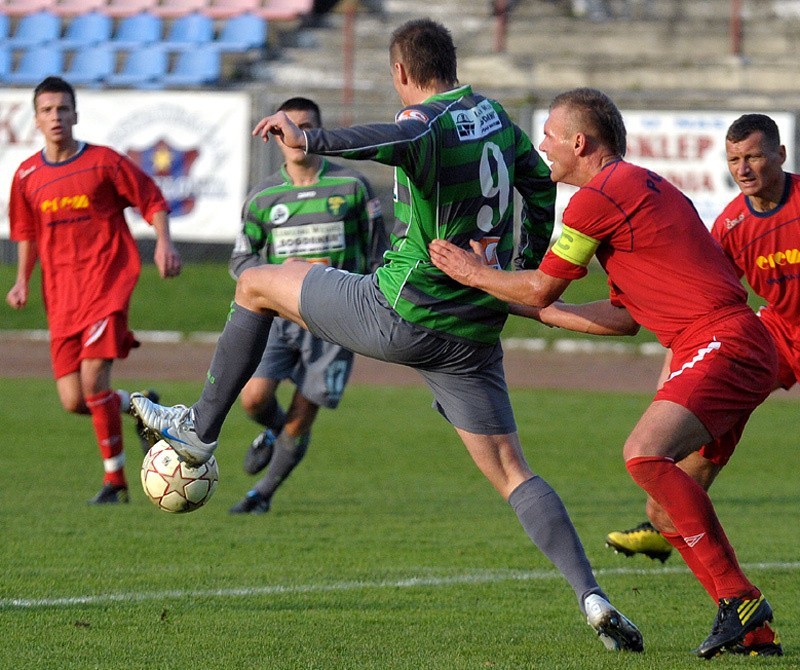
172, 485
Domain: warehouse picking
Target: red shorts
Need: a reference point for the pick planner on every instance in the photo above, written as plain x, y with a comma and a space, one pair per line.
787, 342
108, 338
721, 371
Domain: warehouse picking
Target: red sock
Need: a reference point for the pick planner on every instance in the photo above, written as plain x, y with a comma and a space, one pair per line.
107, 421
691, 512
695, 565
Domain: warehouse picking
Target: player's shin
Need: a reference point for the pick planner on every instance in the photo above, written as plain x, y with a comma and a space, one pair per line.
236, 357
692, 513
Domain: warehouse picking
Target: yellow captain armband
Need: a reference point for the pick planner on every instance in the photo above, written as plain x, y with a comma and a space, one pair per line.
575, 247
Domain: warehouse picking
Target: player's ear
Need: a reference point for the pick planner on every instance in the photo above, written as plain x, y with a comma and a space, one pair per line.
782, 153
400, 72
579, 143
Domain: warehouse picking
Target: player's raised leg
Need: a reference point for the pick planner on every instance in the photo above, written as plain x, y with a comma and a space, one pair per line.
261, 293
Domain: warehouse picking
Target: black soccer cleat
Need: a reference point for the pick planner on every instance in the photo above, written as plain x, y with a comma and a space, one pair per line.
735, 618
252, 503
762, 641
110, 494
259, 454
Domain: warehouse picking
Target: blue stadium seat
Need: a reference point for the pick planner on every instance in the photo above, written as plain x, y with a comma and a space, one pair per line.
86, 30
242, 33
37, 63
143, 68
5, 62
5, 27
136, 31
91, 66
189, 31
200, 66
35, 29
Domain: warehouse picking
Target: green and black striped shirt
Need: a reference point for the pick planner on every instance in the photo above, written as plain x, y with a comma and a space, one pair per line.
458, 157
336, 221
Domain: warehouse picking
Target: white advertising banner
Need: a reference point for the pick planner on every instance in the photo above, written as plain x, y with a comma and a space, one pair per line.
686, 148
195, 146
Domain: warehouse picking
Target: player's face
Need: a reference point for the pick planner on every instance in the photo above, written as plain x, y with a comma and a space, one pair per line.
757, 170
305, 120
55, 117
558, 145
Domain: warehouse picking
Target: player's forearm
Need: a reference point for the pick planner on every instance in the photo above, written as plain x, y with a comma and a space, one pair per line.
595, 318
160, 223
523, 287
27, 254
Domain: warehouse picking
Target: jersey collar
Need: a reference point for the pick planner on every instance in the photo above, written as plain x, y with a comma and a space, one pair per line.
452, 94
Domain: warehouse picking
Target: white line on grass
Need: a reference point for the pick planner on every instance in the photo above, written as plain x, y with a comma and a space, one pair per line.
478, 577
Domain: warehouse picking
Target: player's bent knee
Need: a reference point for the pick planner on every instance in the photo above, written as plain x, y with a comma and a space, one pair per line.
253, 288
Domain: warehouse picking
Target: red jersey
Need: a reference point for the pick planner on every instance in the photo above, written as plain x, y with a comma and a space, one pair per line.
765, 248
662, 263
73, 211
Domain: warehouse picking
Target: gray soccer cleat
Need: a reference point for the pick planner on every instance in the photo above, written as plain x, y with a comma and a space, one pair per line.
176, 426
615, 631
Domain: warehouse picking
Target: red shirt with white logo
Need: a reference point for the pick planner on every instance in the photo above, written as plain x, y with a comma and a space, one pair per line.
73, 212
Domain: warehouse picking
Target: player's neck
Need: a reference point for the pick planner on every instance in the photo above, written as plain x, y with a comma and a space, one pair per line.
305, 173
58, 152
771, 198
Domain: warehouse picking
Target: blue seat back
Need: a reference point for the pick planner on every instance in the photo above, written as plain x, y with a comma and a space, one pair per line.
142, 28
89, 28
35, 29
245, 31
199, 66
37, 63
191, 29
91, 64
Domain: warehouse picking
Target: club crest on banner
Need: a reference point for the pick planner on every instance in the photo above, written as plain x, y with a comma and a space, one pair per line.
170, 168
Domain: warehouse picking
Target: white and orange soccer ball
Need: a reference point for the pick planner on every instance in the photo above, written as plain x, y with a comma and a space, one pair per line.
172, 485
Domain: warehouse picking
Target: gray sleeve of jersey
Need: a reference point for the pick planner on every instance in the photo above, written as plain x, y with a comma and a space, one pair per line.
242, 256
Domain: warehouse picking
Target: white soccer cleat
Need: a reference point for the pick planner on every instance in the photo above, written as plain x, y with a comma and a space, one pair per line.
615, 631
176, 426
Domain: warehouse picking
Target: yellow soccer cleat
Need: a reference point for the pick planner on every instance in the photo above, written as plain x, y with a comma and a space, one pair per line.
644, 539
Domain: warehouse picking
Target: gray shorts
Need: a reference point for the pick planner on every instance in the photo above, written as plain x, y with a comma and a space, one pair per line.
317, 368
467, 380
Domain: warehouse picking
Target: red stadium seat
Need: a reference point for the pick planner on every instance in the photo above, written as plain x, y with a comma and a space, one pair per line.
123, 8
170, 9
225, 9
76, 7
285, 10
24, 7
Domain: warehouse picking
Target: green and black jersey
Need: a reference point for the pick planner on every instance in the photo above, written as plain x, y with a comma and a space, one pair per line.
458, 157
336, 221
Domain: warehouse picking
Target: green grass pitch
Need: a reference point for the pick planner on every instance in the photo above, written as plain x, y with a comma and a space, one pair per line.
386, 548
